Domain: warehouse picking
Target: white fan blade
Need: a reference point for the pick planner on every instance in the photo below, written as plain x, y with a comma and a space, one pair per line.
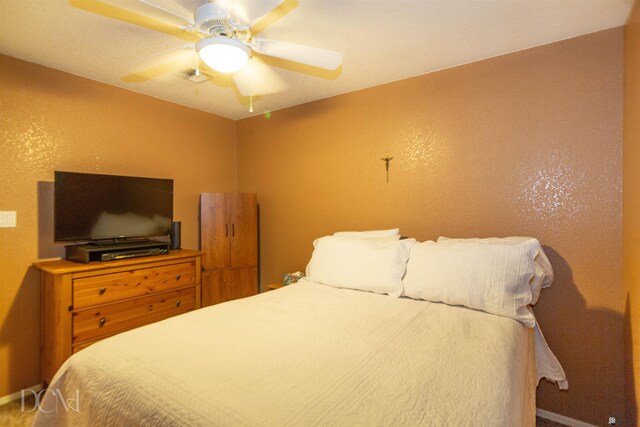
326, 59
257, 78
250, 11
177, 58
153, 11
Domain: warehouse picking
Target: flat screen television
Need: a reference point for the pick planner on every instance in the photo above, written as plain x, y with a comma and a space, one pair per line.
94, 207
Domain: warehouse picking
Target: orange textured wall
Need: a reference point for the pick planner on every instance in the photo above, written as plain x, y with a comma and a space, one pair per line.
50, 121
524, 144
632, 208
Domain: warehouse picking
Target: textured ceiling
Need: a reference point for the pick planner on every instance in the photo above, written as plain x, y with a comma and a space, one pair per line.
382, 41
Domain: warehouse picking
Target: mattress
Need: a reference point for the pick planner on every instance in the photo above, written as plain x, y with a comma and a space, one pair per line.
307, 355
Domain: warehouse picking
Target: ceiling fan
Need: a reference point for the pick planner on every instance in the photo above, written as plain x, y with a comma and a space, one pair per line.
225, 41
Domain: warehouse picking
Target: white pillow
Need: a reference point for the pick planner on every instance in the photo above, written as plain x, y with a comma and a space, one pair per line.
543, 275
373, 234
493, 278
364, 264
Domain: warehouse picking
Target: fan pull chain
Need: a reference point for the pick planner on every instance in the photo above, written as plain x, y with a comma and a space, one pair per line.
197, 66
251, 103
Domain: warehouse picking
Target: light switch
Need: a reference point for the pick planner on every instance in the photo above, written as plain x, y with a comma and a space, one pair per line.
7, 219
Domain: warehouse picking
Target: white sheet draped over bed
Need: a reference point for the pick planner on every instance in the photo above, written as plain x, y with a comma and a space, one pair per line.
308, 355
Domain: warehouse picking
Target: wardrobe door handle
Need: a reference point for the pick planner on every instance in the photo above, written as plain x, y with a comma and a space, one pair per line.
226, 230
233, 230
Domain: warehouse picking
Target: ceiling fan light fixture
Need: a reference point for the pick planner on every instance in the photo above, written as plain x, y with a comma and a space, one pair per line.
223, 54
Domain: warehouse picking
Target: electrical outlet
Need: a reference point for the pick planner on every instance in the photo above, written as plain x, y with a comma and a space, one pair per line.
7, 219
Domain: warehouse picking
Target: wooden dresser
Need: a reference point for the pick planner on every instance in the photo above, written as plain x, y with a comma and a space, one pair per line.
84, 303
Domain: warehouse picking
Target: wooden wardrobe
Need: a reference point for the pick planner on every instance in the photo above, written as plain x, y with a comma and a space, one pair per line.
229, 242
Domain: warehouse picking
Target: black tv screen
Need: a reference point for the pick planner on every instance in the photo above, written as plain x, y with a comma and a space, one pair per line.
99, 207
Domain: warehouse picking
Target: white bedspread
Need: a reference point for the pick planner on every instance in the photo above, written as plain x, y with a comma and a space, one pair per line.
308, 355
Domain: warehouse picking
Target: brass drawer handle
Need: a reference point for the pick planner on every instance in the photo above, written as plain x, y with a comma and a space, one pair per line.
102, 322
178, 302
102, 291
178, 276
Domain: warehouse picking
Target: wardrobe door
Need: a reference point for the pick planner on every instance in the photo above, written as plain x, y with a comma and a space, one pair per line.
215, 230
244, 229
228, 284
214, 290
242, 282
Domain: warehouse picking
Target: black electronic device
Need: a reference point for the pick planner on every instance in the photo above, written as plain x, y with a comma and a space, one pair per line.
174, 238
94, 207
91, 252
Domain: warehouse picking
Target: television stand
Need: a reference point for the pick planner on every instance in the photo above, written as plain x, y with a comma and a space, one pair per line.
113, 251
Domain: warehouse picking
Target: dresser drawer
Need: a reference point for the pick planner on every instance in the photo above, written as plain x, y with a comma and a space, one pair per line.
106, 288
100, 322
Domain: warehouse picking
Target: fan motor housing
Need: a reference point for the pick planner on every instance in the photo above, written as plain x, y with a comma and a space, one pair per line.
208, 12
212, 19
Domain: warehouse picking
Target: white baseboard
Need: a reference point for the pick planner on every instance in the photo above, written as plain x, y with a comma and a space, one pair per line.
561, 419
15, 396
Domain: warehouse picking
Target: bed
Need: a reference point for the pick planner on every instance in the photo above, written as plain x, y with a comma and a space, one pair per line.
310, 355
